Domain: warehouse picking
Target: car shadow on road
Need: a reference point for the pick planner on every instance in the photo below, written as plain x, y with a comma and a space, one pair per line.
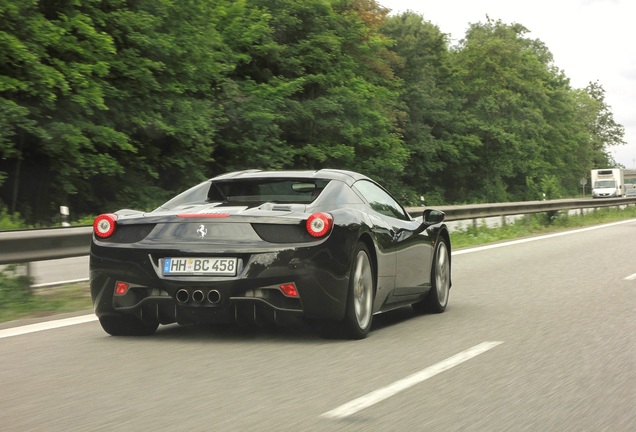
233, 333
302, 332
393, 317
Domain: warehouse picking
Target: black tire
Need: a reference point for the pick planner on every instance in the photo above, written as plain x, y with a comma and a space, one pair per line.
359, 309
127, 325
437, 298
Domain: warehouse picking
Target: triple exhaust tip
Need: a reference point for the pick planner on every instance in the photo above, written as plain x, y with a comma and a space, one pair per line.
198, 296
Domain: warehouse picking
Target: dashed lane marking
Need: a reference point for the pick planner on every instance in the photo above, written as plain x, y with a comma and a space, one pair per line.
383, 393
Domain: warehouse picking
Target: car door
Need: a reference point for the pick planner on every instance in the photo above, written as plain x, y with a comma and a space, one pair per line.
412, 250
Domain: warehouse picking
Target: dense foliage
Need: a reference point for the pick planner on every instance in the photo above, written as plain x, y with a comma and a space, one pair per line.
121, 103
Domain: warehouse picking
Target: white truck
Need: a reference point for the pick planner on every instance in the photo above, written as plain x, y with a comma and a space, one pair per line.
607, 183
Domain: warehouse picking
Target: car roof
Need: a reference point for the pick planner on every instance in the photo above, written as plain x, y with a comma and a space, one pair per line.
345, 176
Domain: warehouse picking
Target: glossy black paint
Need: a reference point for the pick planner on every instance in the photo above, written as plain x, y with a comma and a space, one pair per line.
272, 247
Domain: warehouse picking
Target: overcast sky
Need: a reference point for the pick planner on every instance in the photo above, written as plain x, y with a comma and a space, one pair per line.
591, 40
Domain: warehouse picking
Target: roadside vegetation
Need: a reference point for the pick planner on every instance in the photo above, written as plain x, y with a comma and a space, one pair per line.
540, 223
19, 301
121, 104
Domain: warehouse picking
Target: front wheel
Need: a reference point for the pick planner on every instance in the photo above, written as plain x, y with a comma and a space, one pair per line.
437, 297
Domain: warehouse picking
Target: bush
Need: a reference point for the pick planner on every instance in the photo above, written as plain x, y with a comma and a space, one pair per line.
15, 290
84, 221
11, 222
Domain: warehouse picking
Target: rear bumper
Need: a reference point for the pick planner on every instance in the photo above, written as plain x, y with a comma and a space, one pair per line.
320, 276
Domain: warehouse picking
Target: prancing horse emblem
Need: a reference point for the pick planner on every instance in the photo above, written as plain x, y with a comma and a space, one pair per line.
202, 231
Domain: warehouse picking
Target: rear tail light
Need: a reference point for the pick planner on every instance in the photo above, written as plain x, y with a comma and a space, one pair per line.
104, 225
319, 224
289, 289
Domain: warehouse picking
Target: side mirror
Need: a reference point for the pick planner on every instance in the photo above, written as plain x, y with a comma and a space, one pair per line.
432, 217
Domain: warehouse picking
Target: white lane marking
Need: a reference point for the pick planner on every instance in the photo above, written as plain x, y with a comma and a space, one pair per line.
52, 284
631, 277
530, 239
392, 389
49, 325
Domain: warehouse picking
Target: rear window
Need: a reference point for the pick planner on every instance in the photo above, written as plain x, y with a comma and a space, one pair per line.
251, 192
266, 190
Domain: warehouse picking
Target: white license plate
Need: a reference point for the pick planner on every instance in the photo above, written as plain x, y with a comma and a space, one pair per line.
200, 266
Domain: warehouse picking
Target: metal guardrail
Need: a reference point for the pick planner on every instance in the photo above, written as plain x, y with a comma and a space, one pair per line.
45, 244
480, 211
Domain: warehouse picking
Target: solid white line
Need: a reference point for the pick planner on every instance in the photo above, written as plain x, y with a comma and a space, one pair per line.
49, 325
52, 284
631, 277
386, 392
530, 239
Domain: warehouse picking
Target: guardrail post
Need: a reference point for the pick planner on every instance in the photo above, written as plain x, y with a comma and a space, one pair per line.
29, 272
65, 214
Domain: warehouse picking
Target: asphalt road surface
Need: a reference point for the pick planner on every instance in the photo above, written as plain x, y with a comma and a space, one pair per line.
538, 336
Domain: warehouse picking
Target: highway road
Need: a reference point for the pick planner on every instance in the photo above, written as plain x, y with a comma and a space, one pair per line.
538, 336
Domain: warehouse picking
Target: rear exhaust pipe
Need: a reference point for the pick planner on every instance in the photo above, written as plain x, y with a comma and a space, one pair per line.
214, 296
182, 296
198, 296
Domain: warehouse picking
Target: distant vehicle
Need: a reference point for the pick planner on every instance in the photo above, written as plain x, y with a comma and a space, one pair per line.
630, 191
329, 246
608, 183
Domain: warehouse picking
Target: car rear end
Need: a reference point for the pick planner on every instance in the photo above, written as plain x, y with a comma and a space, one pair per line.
222, 261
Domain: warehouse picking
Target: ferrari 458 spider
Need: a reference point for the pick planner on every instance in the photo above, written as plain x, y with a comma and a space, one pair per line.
328, 246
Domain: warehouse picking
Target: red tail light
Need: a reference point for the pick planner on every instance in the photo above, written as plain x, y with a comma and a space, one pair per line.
104, 225
289, 289
319, 224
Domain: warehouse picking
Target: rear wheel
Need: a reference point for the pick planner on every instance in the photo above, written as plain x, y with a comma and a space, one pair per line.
127, 325
437, 297
359, 312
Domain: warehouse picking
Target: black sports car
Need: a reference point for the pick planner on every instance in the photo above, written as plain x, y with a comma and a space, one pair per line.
328, 246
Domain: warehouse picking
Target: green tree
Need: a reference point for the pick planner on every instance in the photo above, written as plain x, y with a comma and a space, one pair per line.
51, 78
169, 60
603, 131
118, 103
508, 81
107, 100
428, 105
319, 93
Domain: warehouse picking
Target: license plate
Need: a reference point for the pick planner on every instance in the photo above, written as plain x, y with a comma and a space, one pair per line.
200, 266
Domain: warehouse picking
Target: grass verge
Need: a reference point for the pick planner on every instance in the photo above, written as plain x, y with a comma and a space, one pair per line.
541, 223
18, 301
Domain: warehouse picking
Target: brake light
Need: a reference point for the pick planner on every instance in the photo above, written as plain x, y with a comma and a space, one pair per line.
202, 215
289, 289
104, 225
319, 224
121, 288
